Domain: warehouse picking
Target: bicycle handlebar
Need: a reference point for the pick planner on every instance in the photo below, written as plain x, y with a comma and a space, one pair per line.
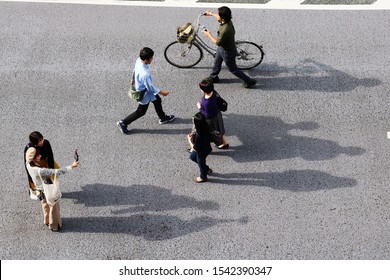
198, 20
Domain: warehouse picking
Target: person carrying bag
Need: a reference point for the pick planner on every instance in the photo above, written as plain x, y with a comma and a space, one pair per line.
52, 190
51, 194
210, 106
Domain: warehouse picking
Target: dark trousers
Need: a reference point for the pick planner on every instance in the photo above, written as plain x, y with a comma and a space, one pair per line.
142, 109
229, 57
200, 159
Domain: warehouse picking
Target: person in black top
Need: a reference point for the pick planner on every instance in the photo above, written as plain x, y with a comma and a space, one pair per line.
200, 146
43, 147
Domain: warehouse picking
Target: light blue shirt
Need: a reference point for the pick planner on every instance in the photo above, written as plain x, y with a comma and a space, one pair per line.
143, 80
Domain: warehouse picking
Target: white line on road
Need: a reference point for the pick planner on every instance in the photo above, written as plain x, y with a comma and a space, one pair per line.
273, 4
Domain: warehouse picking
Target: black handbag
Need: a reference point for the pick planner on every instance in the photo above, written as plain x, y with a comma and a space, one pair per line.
216, 137
221, 103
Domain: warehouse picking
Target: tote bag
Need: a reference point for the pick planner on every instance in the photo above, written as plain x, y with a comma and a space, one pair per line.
51, 191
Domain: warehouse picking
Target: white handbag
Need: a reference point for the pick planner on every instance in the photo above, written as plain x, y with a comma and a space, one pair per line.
51, 191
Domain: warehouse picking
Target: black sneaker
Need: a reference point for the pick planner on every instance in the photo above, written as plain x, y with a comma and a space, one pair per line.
166, 119
249, 84
122, 127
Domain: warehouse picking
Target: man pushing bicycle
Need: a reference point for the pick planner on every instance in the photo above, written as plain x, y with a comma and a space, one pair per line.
226, 50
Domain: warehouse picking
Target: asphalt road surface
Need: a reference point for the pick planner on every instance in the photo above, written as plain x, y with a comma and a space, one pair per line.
306, 175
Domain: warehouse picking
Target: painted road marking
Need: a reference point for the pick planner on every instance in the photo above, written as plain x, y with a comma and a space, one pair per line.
272, 4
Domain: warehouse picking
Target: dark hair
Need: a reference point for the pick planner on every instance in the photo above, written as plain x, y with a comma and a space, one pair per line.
146, 53
206, 85
225, 13
35, 137
200, 124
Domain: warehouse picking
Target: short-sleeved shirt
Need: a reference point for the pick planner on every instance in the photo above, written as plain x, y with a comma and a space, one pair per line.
225, 38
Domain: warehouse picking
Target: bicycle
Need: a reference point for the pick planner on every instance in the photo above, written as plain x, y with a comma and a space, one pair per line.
187, 51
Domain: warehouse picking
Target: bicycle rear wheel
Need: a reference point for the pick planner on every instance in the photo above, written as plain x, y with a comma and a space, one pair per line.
183, 55
249, 55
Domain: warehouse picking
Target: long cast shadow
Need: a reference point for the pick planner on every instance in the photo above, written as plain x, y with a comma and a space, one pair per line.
267, 138
172, 131
136, 198
151, 227
291, 180
310, 75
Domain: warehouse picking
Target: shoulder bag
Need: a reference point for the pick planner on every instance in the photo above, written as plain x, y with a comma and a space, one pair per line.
221, 103
133, 93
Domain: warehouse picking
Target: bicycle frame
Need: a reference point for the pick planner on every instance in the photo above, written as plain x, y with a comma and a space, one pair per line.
199, 41
249, 54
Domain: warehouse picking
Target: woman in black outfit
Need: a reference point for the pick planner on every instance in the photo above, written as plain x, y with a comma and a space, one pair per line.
200, 146
44, 148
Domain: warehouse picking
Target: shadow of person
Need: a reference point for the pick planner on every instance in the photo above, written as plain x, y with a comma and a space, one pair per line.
268, 138
150, 226
311, 75
173, 131
292, 180
137, 198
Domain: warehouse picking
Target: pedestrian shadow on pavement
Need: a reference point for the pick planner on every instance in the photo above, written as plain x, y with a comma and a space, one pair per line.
136, 198
150, 226
267, 138
165, 131
291, 180
309, 76
171, 130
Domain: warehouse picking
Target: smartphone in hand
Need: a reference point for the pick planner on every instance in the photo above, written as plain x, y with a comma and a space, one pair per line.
76, 155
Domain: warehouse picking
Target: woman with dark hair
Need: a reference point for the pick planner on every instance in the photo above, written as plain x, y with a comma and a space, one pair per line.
44, 148
226, 50
51, 213
200, 146
209, 108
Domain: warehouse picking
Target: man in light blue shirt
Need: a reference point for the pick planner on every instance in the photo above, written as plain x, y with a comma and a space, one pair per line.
143, 81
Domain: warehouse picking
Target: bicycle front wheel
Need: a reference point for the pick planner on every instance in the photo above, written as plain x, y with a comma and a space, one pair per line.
249, 55
183, 55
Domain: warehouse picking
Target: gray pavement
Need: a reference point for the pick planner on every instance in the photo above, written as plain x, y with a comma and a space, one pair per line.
306, 175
